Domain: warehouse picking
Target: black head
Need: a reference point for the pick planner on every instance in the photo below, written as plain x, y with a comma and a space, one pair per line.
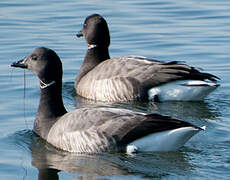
43, 62
96, 31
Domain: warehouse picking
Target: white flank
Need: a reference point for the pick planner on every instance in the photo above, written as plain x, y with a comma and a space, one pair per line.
130, 149
169, 140
190, 90
203, 128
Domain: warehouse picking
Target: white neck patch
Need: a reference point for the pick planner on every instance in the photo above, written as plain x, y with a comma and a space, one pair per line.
44, 85
91, 46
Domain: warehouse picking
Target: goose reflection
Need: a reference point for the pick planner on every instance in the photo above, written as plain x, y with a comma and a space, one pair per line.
186, 110
48, 174
181, 110
50, 162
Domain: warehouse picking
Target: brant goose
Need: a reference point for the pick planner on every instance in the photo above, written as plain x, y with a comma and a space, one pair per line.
134, 78
96, 130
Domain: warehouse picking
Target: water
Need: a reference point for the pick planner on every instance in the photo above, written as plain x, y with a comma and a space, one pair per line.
197, 32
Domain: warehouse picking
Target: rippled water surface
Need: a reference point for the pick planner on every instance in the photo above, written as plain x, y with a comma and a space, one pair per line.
194, 31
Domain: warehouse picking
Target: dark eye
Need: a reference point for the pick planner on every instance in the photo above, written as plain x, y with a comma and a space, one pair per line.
34, 58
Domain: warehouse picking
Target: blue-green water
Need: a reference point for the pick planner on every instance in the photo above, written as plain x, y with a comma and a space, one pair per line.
194, 31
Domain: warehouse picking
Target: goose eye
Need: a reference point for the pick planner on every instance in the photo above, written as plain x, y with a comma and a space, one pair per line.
34, 58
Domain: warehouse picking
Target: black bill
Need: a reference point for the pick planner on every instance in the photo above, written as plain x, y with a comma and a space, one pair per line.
79, 34
20, 64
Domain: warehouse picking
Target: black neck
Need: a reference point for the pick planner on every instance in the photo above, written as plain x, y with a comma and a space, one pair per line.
50, 108
93, 57
48, 174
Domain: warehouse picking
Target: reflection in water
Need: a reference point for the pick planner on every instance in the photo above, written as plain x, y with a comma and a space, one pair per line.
182, 110
50, 161
48, 174
185, 110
